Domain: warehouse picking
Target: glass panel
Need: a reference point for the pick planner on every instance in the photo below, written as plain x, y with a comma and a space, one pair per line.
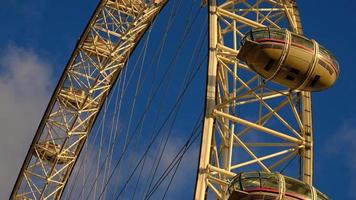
235, 186
327, 54
250, 183
260, 34
278, 34
324, 51
333, 59
302, 41
250, 175
270, 181
321, 196
297, 187
236, 183
246, 37
250, 180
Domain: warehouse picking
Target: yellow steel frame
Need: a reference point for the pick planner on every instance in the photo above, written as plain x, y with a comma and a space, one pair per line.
101, 53
229, 89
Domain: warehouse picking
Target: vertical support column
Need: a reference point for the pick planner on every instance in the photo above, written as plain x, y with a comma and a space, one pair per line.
208, 127
307, 154
306, 112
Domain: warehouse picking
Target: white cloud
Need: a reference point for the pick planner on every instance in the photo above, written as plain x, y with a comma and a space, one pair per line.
25, 85
181, 188
183, 183
344, 145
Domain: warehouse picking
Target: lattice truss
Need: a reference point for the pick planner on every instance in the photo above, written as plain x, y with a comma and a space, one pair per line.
250, 124
99, 57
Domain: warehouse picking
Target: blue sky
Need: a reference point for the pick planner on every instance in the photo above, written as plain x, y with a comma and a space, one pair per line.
44, 33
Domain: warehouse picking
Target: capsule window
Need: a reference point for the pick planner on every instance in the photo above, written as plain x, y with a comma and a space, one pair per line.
315, 80
269, 65
294, 70
297, 187
289, 77
269, 181
277, 34
302, 41
323, 51
246, 37
260, 34
321, 196
326, 66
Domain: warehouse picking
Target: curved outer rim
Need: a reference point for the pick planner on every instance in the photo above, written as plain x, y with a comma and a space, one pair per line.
153, 12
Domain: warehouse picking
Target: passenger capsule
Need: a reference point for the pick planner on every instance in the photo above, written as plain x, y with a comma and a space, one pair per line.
49, 152
262, 185
289, 59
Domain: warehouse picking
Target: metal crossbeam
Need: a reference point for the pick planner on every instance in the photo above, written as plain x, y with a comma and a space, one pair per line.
250, 123
103, 50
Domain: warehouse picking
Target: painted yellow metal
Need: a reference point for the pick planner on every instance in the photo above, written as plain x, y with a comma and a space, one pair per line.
101, 53
205, 157
231, 139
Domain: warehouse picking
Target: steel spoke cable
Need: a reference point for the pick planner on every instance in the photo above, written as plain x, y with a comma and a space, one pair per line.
176, 161
172, 177
95, 133
132, 72
85, 160
203, 39
115, 129
139, 177
179, 162
100, 148
138, 164
137, 91
114, 123
101, 120
141, 117
150, 101
125, 75
186, 147
156, 135
172, 111
287, 165
194, 135
194, 74
100, 144
185, 79
183, 149
113, 135
153, 94
197, 47
159, 51
101, 166
84, 154
189, 26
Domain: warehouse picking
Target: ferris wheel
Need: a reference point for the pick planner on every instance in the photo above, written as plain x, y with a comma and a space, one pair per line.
257, 125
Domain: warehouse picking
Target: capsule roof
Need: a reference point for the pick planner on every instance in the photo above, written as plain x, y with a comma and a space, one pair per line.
272, 183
